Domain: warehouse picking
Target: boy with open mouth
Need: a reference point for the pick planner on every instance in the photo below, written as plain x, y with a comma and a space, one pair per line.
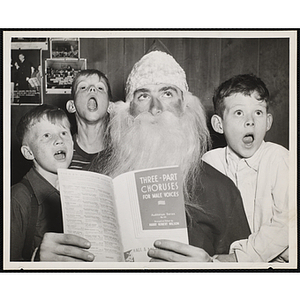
91, 96
259, 169
45, 138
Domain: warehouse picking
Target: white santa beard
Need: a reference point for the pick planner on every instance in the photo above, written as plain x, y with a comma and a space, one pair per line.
152, 141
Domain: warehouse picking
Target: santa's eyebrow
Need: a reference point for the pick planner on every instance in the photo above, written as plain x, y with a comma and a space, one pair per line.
165, 88
141, 90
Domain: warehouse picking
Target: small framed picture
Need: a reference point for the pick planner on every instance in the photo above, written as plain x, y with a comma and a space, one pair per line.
60, 73
64, 48
29, 43
26, 76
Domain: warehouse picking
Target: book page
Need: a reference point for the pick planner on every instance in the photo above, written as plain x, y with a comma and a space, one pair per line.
150, 206
89, 211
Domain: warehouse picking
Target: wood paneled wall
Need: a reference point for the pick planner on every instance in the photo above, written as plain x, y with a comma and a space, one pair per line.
206, 61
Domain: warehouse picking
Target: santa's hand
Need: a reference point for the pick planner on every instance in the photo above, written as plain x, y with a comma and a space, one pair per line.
166, 250
64, 247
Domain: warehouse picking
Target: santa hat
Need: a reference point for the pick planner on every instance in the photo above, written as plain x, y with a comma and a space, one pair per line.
154, 68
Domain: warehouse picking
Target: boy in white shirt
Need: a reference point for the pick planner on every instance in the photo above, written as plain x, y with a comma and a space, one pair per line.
259, 169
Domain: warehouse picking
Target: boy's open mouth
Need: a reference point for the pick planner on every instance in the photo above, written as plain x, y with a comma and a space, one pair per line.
59, 155
92, 104
248, 138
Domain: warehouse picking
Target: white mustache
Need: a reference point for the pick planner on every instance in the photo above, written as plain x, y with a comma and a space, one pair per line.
162, 119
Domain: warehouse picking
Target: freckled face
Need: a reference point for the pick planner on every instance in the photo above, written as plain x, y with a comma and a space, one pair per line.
245, 122
91, 98
51, 145
157, 98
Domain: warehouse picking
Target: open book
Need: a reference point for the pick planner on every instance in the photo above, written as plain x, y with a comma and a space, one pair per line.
122, 217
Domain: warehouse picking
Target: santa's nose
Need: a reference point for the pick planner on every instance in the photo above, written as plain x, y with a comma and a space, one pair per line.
156, 107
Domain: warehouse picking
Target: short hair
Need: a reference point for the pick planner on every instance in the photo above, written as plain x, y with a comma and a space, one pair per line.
52, 113
87, 73
245, 84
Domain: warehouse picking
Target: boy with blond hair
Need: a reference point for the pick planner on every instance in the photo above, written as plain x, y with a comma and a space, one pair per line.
45, 137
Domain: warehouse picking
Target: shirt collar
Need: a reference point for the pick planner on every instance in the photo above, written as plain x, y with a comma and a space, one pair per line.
252, 162
41, 187
231, 156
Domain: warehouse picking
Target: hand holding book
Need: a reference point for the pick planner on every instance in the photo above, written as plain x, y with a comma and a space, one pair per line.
123, 217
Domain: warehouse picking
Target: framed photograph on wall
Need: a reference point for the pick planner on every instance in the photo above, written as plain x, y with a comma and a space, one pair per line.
26, 76
59, 74
65, 48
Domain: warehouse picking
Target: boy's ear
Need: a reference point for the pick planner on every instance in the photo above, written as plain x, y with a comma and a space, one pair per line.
110, 107
27, 153
217, 124
269, 121
70, 106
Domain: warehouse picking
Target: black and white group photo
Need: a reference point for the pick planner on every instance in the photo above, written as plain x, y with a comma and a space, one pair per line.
157, 150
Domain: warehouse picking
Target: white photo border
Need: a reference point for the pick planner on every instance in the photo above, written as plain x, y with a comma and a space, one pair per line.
291, 34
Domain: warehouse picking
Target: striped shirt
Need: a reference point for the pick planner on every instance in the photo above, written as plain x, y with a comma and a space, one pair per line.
81, 160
